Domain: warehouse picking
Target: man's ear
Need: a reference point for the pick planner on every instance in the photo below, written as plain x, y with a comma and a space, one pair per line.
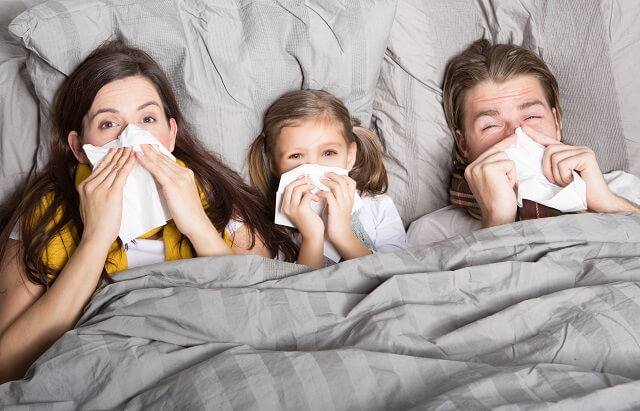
558, 119
462, 144
76, 147
173, 130
352, 154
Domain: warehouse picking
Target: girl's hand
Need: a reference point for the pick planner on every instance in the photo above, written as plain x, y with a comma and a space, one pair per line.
101, 196
178, 185
339, 205
296, 205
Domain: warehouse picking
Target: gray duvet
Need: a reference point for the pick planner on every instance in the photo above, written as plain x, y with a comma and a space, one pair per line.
528, 315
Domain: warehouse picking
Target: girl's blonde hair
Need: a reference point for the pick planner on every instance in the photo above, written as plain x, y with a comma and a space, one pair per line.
290, 110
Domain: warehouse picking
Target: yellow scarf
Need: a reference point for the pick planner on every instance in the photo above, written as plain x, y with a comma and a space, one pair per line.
62, 244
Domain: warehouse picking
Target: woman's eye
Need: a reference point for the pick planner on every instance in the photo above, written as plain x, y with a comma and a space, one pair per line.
295, 156
532, 117
148, 119
489, 126
107, 124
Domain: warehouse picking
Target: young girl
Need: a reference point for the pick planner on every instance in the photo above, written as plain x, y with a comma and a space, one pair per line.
314, 127
59, 236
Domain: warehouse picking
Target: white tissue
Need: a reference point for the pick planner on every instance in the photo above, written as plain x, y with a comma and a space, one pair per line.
143, 207
533, 185
315, 172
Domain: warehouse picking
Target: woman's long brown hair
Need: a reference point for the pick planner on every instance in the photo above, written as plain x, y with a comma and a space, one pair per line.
225, 191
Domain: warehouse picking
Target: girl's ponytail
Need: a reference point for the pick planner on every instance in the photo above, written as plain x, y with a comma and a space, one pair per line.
368, 171
259, 173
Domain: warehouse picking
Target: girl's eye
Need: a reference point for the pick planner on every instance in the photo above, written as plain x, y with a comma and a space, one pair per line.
329, 153
107, 124
148, 119
295, 156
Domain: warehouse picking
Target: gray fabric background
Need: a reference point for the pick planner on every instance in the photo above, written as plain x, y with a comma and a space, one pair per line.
18, 105
227, 61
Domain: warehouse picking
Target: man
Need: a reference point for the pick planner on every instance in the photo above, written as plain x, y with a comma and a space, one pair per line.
489, 91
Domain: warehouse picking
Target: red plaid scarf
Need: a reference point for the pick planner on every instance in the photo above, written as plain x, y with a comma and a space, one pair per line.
460, 194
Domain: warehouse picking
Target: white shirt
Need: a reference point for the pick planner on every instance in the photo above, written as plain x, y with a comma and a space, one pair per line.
452, 220
382, 223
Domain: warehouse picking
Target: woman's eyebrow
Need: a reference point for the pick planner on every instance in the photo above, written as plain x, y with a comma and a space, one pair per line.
103, 110
147, 104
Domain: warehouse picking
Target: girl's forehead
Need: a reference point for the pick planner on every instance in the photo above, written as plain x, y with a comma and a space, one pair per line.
308, 134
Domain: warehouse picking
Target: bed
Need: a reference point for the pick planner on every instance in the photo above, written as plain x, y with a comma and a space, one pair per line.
536, 314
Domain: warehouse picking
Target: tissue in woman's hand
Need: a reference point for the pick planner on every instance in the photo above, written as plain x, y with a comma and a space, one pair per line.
533, 185
315, 173
143, 207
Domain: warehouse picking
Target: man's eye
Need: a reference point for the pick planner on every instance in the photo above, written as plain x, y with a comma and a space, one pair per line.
148, 119
295, 156
107, 124
532, 117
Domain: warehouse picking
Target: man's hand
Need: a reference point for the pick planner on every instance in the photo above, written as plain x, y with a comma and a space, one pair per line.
492, 179
561, 159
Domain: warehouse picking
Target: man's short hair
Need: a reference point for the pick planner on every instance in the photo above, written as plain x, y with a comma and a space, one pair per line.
500, 62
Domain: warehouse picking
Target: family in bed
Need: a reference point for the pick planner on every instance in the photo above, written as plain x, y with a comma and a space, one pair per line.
61, 235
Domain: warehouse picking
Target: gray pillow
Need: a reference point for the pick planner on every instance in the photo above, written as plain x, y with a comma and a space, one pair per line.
623, 33
227, 60
426, 34
18, 106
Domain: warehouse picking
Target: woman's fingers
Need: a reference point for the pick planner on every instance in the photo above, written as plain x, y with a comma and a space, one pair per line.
153, 162
124, 171
118, 162
102, 174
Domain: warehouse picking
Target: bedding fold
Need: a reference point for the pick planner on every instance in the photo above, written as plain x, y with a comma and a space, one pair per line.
531, 314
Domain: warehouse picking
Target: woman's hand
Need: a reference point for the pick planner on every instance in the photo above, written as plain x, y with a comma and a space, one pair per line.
101, 196
296, 205
178, 186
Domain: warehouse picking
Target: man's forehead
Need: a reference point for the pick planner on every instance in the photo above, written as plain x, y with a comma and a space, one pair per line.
490, 94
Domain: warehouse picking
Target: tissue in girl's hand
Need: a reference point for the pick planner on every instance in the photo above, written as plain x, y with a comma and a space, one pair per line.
533, 185
315, 172
143, 207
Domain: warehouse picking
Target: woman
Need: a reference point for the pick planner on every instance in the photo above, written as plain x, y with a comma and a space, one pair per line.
62, 238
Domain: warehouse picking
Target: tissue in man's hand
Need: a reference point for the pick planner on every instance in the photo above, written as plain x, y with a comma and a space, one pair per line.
534, 186
315, 172
143, 207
